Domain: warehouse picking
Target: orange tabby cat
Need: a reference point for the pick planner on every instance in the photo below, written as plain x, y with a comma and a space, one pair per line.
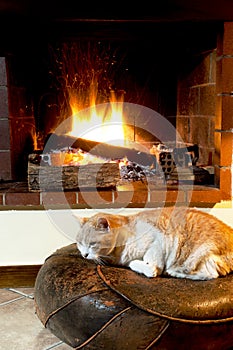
178, 242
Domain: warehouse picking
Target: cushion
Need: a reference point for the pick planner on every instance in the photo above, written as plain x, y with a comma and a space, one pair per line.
92, 307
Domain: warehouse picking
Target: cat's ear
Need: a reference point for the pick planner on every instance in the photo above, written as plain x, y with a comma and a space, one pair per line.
102, 223
80, 221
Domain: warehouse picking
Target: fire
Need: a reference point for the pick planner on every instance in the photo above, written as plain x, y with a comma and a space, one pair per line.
102, 123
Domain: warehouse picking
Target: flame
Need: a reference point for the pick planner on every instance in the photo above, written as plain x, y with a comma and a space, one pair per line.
99, 124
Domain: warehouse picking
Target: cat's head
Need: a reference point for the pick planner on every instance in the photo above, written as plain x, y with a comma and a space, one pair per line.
97, 237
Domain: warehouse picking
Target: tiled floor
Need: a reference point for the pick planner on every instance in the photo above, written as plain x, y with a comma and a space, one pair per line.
20, 328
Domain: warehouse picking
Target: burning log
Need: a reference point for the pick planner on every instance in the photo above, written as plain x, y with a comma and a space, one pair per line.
102, 173
99, 149
79, 163
76, 163
98, 176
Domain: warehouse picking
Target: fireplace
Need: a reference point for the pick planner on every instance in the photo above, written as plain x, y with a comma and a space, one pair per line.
179, 69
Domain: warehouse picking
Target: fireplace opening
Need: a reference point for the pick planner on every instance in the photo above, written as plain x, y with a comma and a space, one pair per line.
170, 68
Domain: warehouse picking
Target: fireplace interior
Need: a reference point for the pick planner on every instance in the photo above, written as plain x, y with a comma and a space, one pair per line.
180, 69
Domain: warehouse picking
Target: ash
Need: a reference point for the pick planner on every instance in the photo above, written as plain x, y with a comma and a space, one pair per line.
147, 174
135, 172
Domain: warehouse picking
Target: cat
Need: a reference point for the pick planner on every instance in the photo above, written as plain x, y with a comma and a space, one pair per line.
173, 241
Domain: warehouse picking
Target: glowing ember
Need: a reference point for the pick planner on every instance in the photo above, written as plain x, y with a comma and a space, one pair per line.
76, 157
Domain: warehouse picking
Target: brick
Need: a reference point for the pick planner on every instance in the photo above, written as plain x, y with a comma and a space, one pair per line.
223, 180
213, 73
218, 112
219, 77
16, 199
220, 35
224, 113
4, 111
225, 75
227, 113
223, 149
188, 101
207, 104
3, 73
217, 175
226, 183
205, 196
227, 45
177, 196
217, 154
123, 198
133, 193
167, 196
158, 196
226, 151
206, 156
4, 134
200, 131
182, 96
140, 197
5, 166
183, 128
225, 39
1, 198
94, 198
58, 198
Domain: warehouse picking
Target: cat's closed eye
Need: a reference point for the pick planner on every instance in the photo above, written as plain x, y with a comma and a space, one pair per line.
93, 245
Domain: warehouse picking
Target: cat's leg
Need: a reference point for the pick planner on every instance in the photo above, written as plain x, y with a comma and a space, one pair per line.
140, 266
201, 275
213, 267
209, 269
203, 270
199, 265
152, 264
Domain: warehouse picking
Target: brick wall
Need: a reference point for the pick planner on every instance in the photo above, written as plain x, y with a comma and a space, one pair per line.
224, 110
17, 125
205, 108
5, 143
196, 104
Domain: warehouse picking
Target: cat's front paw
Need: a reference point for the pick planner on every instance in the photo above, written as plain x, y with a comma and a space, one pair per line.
141, 267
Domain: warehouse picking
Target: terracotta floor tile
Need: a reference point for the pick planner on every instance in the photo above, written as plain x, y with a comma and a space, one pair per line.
7, 295
20, 328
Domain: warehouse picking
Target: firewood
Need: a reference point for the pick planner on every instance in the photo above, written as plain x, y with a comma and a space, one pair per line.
59, 178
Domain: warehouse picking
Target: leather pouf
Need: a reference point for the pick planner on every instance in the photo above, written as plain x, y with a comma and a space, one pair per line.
102, 307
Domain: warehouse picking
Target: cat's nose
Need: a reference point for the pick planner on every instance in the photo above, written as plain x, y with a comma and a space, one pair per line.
85, 255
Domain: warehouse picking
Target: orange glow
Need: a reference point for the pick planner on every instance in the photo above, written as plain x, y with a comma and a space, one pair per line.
99, 124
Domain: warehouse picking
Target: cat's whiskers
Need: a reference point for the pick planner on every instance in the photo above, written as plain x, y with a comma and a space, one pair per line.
104, 260
100, 261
